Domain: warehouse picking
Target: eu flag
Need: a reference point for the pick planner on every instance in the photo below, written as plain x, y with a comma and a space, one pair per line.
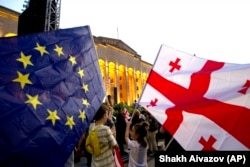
50, 89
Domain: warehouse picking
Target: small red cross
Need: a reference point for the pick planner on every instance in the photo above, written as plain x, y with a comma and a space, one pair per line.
175, 65
152, 103
237, 116
208, 145
245, 87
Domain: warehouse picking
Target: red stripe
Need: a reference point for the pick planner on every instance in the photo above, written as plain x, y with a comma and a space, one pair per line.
200, 80
173, 121
117, 157
234, 119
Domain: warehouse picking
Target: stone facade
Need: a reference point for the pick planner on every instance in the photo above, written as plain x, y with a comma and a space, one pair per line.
124, 73
8, 21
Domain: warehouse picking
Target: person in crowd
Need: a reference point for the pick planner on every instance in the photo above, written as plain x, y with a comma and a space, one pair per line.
143, 113
80, 147
120, 133
151, 136
135, 104
81, 144
106, 139
110, 123
108, 101
137, 144
135, 118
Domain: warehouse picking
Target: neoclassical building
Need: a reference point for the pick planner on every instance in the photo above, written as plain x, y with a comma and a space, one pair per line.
123, 71
8, 22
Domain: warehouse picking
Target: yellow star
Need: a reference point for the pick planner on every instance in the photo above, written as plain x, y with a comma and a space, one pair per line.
23, 79
85, 102
85, 87
41, 49
70, 122
81, 72
53, 117
82, 115
72, 59
33, 100
59, 50
25, 60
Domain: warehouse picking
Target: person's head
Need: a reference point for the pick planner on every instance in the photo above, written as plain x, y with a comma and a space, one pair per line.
142, 117
137, 113
138, 132
121, 110
135, 117
109, 108
102, 113
143, 110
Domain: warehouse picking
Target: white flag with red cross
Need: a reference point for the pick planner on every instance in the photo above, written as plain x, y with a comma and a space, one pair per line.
204, 104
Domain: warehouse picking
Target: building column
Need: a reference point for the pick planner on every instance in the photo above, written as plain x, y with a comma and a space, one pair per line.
117, 82
127, 85
135, 86
142, 86
107, 78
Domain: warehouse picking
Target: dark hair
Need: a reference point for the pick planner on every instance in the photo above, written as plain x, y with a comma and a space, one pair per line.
101, 112
140, 129
135, 119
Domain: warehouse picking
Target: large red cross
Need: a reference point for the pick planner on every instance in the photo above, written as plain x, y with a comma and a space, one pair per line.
234, 119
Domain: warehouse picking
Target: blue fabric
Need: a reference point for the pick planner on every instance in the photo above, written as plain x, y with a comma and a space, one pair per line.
28, 136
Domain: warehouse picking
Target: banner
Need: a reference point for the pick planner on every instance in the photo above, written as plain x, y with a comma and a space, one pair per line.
204, 104
50, 90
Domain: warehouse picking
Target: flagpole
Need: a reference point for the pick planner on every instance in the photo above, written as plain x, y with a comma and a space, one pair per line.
137, 105
169, 142
146, 82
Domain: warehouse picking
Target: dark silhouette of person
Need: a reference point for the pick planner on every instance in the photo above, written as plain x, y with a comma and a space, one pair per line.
120, 130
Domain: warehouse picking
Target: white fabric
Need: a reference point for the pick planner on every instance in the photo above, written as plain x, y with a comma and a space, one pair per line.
193, 131
223, 87
137, 154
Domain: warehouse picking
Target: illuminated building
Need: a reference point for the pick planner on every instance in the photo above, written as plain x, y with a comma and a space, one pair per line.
8, 22
124, 73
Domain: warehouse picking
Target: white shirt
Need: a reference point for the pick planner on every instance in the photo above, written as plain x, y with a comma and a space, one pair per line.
137, 154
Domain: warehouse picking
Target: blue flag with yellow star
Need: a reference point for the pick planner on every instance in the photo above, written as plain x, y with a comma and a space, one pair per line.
50, 89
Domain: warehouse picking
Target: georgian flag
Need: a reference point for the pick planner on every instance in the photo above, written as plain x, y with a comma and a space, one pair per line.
204, 104
126, 115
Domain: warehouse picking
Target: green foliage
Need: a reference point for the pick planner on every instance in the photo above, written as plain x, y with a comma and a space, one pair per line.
120, 106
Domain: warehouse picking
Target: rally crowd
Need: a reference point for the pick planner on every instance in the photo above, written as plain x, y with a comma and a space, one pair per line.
138, 131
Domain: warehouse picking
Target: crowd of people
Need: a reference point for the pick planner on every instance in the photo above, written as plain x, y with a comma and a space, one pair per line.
139, 134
